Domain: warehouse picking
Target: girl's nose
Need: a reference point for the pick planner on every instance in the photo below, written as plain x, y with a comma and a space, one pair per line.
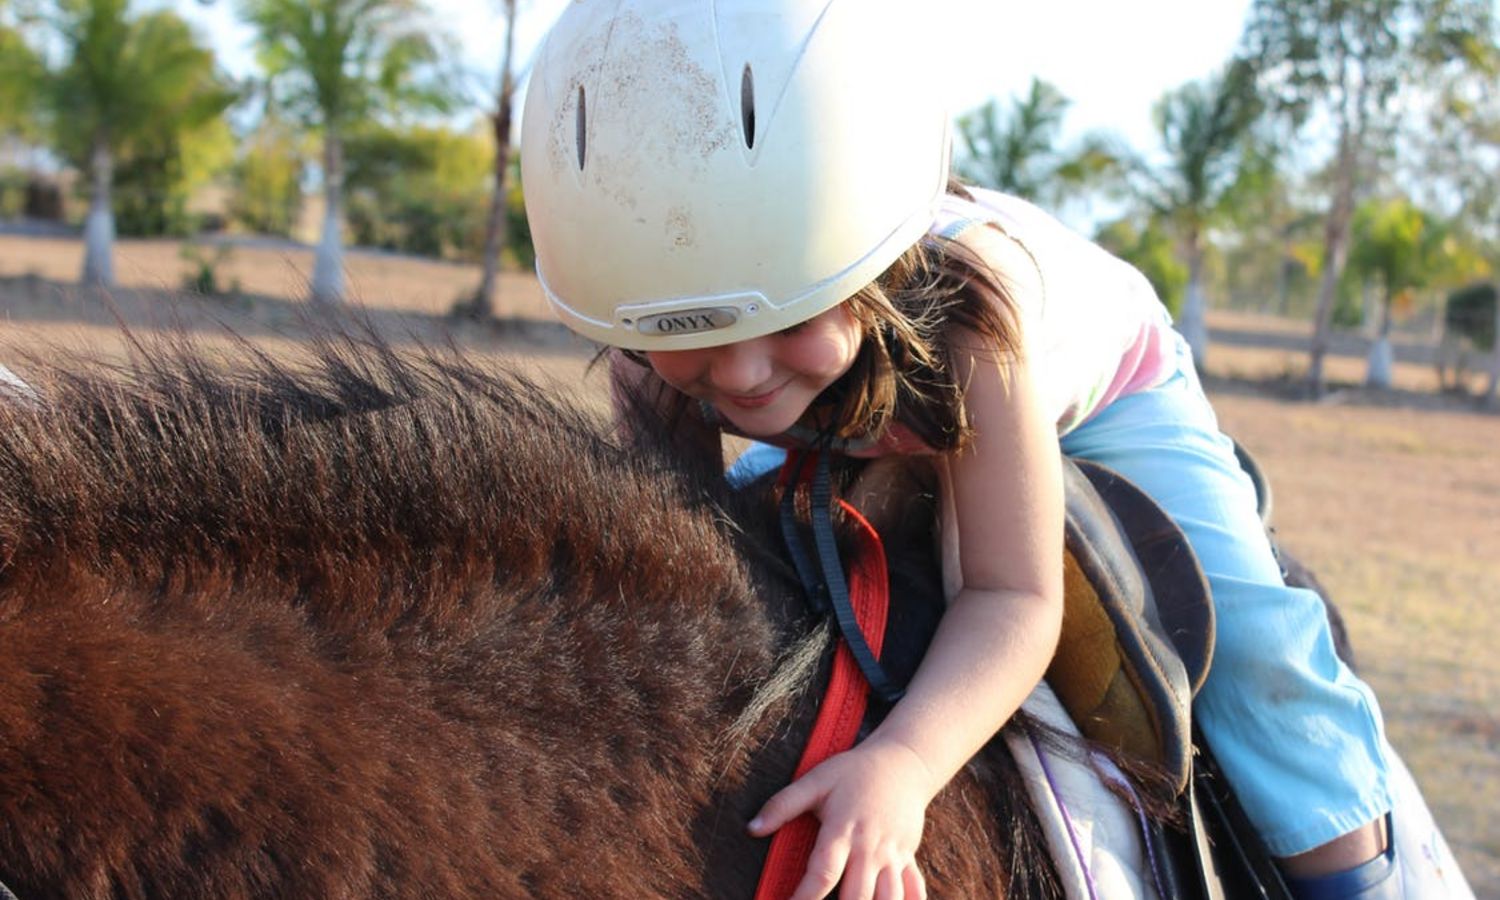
741, 367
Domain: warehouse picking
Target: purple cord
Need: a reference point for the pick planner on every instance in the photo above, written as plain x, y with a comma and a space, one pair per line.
1088, 874
1107, 769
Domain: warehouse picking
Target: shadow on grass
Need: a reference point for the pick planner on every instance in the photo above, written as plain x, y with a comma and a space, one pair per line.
32, 300
1295, 389
1340, 343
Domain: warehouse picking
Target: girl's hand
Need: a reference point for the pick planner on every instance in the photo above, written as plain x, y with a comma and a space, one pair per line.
871, 802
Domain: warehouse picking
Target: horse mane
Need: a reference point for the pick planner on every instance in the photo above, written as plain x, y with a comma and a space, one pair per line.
291, 614
351, 471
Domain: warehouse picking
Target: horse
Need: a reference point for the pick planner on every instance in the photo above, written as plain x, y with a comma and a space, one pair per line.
388, 623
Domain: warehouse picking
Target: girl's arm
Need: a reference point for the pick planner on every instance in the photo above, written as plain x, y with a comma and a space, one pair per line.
1004, 493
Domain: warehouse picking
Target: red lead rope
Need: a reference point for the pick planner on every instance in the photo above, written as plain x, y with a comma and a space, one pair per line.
840, 714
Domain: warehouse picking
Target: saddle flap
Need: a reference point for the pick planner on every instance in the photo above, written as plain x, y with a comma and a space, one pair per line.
1137, 631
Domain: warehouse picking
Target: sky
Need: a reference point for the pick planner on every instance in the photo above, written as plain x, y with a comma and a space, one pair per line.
1113, 60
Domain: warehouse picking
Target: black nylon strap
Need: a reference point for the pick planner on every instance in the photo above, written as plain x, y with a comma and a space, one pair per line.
812, 584
827, 587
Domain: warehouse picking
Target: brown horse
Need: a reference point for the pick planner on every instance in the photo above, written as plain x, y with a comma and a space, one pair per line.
399, 625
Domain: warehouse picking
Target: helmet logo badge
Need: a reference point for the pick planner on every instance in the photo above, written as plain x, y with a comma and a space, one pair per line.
689, 321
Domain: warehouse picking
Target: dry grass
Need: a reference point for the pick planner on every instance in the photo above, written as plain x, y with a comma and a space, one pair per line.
1392, 497
1398, 512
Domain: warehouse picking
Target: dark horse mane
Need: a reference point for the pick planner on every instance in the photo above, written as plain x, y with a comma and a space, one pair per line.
389, 623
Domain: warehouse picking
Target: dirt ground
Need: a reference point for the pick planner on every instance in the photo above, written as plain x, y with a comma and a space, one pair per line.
1392, 497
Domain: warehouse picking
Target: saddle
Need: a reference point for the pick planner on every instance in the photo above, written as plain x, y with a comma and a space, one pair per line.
1137, 641
1138, 622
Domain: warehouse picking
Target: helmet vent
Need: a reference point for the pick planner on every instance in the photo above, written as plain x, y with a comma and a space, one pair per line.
582, 128
747, 106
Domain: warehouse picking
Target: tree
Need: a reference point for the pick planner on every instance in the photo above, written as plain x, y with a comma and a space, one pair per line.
21, 75
1204, 128
1402, 247
334, 64
156, 176
268, 179
1341, 64
124, 82
1456, 155
483, 305
1019, 154
419, 190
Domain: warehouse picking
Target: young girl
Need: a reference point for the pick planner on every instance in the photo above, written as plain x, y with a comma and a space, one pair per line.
752, 198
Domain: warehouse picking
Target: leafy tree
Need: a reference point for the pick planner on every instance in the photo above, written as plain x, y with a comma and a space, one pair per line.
1204, 128
156, 176
419, 190
21, 75
268, 180
1341, 64
1470, 313
126, 85
334, 64
1019, 153
1402, 248
1455, 156
1271, 255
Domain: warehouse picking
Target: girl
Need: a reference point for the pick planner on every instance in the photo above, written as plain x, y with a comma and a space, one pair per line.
751, 197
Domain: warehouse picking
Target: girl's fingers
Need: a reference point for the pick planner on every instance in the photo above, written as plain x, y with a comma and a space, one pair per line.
861, 878
802, 795
890, 885
913, 883
824, 867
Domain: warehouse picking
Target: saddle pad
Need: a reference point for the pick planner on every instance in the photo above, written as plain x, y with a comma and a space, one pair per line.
1093, 835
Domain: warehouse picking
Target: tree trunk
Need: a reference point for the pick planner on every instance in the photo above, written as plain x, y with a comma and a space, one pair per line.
1490, 393
1284, 279
328, 267
99, 227
1192, 323
1381, 360
1335, 254
1372, 314
496, 229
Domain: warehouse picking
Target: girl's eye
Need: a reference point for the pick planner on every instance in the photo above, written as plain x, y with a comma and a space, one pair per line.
791, 329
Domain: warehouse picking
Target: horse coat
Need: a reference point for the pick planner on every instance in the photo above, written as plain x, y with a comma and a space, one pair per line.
392, 627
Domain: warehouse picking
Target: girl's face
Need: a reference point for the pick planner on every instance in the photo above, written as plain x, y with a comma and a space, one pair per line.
765, 384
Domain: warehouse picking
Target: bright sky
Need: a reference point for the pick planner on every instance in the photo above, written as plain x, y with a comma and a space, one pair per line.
1112, 59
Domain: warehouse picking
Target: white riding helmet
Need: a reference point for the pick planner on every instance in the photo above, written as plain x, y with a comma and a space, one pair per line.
699, 172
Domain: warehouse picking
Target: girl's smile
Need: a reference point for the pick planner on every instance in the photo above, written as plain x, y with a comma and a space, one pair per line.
765, 384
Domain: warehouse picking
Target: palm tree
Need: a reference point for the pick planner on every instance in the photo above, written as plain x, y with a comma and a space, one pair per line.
123, 80
334, 64
1019, 153
1404, 248
1204, 128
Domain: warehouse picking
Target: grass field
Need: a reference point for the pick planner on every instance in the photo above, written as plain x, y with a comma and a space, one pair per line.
1392, 497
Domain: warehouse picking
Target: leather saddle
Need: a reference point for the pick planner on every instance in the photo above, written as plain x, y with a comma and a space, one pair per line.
1138, 622
1137, 641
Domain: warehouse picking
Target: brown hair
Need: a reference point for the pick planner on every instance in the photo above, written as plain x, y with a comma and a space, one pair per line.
906, 367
